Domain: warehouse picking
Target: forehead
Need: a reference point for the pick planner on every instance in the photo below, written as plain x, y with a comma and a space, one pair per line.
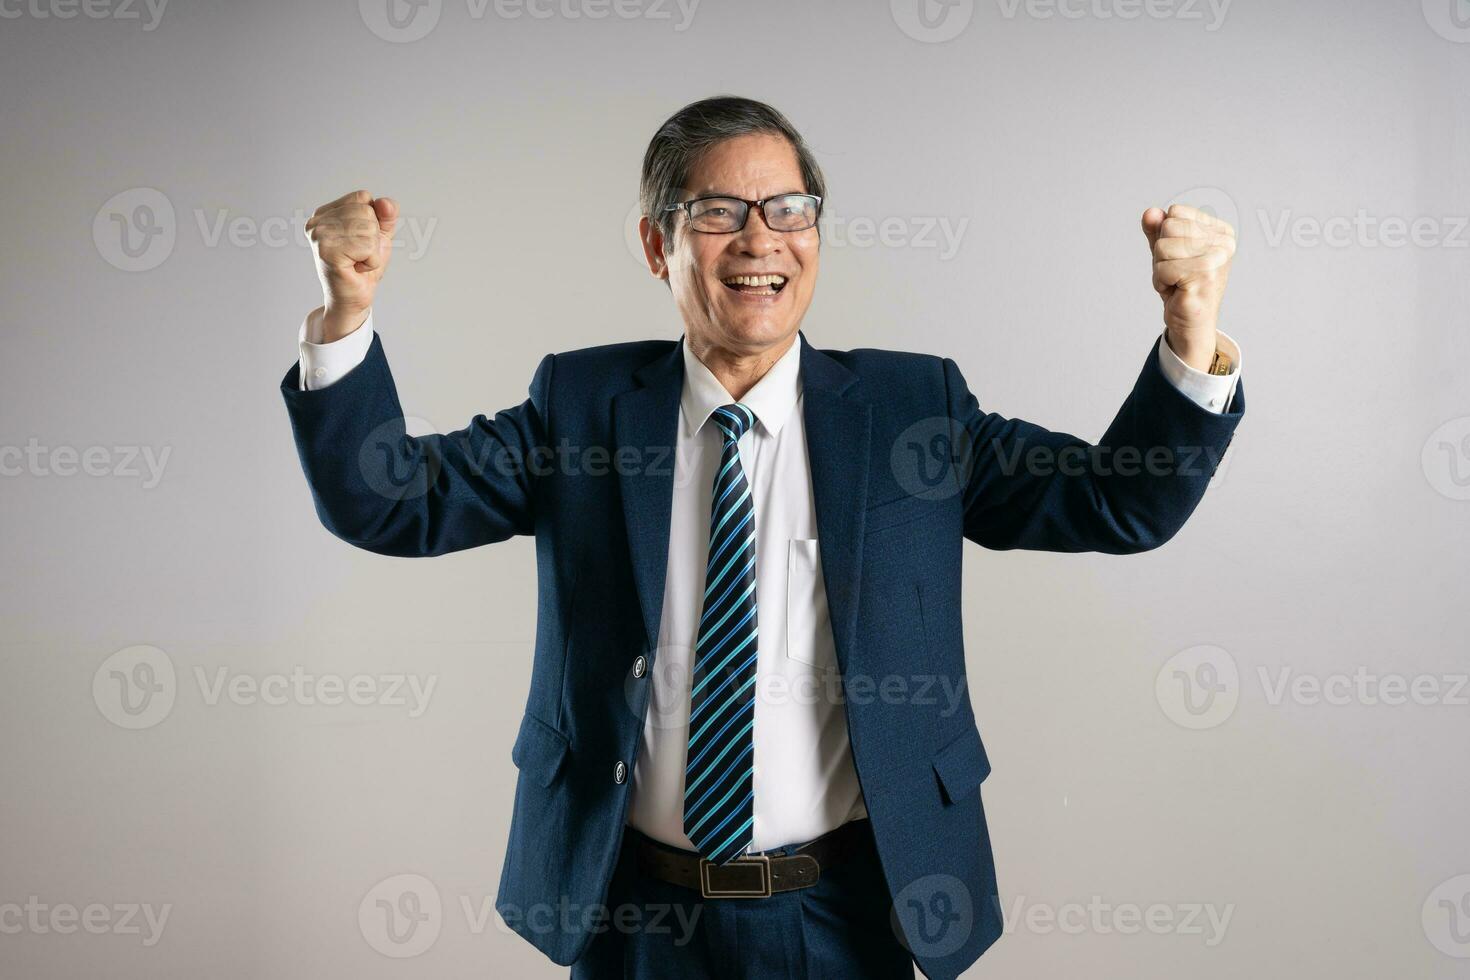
753, 166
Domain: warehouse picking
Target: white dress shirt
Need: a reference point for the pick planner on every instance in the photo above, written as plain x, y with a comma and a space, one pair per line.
804, 778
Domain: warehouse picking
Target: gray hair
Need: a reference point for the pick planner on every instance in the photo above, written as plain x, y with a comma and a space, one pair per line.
688, 133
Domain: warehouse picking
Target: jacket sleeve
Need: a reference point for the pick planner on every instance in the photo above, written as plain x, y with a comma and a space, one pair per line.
1027, 487
383, 490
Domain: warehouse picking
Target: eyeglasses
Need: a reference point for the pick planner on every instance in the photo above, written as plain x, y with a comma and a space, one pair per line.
722, 215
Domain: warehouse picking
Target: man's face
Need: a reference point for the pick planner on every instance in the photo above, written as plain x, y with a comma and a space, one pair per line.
699, 265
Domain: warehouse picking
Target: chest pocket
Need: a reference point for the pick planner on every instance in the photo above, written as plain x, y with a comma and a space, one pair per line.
808, 624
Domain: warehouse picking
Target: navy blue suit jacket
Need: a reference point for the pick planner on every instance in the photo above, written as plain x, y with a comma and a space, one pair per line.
905, 465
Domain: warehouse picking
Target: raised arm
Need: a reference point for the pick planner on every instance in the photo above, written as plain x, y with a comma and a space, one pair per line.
1027, 487
413, 496
374, 485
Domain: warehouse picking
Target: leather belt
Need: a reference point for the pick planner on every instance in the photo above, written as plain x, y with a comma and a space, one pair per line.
754, 875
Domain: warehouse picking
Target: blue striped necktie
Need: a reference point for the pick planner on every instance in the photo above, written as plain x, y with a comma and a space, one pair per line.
719, 791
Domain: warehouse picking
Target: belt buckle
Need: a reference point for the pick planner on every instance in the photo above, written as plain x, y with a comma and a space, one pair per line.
760, 862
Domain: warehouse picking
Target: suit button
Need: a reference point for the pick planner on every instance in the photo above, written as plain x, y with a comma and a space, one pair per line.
620, 773
640, 666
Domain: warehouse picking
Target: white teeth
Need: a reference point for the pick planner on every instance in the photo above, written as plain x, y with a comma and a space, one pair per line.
755, 280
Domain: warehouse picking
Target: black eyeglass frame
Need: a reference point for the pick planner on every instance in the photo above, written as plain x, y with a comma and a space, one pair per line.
749, 205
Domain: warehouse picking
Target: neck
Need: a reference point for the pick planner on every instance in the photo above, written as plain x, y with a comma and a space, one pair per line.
737, 371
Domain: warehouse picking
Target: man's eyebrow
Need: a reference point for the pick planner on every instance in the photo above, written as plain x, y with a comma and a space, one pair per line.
724, 193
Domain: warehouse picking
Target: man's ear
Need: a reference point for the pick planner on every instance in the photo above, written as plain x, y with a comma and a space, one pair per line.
653, 247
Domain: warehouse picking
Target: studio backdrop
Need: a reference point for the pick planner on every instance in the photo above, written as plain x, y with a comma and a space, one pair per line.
236, 747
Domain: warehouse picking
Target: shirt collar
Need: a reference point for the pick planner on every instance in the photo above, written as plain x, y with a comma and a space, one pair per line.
771, 399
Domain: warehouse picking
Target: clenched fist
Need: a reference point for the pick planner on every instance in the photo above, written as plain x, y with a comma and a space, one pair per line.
1192, 252
352, 238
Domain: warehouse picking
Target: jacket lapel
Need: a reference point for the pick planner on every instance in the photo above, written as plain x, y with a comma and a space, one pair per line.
647, 420
838, 437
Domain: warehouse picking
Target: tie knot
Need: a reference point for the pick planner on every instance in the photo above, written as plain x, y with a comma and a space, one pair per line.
734, 421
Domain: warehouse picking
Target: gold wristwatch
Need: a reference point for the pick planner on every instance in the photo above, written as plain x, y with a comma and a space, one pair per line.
1222, 364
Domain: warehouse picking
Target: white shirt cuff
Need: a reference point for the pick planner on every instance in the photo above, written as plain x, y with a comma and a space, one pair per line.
1212, 392
326, 364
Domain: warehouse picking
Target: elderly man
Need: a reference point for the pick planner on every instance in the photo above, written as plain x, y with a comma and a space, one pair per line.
736, 757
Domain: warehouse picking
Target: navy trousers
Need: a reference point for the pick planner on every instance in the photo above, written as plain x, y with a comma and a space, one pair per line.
838, 929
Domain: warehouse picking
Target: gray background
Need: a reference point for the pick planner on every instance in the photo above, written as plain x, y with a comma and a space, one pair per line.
1332, 544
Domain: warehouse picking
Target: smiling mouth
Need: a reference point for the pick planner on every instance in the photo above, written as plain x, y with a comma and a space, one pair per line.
767, 285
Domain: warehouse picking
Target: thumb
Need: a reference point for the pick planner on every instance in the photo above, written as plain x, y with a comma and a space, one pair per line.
387, 211
1153, 220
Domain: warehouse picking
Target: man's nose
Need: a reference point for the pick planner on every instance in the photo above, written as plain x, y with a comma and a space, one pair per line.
757, 238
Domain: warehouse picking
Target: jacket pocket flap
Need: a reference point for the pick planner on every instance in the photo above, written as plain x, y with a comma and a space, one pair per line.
962, 765
539, 750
